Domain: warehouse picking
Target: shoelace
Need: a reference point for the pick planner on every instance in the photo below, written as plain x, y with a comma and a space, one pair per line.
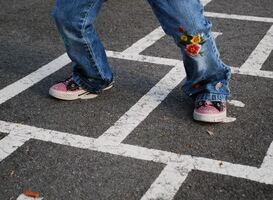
70, 84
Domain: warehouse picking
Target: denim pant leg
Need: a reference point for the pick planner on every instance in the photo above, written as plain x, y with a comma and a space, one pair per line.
75, 22
207, 76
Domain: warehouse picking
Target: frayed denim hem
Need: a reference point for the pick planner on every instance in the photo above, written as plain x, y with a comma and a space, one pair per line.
211, 97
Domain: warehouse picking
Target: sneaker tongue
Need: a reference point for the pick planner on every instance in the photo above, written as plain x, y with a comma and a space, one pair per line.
208, 103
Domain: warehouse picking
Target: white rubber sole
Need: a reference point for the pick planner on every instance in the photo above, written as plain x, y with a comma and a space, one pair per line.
215, 118
69, 96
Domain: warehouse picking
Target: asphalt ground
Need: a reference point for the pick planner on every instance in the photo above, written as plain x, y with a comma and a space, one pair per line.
29, 40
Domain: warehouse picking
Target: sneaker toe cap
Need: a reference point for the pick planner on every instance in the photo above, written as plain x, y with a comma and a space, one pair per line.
59, 87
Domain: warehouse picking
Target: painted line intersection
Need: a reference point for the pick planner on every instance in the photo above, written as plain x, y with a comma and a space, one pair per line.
177, 166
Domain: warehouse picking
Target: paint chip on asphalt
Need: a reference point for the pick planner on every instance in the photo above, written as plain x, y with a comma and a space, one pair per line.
210, 133
24, 197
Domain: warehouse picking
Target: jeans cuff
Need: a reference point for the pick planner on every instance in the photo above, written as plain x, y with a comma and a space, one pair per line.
211, 97
80, 83
93, 86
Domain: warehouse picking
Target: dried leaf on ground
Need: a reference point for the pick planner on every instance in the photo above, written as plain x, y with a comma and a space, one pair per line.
30, 193
12, 173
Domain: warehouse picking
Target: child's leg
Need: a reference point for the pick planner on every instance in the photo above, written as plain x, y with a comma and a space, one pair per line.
75, 20
207, 76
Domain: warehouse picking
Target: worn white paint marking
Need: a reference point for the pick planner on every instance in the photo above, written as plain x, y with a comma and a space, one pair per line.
145, 42
238, 17
229, 120
216, 34
257, 73
132, 118
172, 62
130, 53
205, 2
83, 142
29, 80
262, 175
24, 197
236, 103
142, 58
27, 132
268, 159
11, 143
168, 183
261, 53
149, 40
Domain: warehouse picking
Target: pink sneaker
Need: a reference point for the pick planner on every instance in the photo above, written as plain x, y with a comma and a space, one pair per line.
69, 90
207, 111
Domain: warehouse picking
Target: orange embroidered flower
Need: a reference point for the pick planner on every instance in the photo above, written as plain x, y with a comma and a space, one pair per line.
193, 49
197, 39
191, 43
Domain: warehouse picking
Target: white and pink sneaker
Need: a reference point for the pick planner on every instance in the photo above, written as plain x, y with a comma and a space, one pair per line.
69, 90
207, 111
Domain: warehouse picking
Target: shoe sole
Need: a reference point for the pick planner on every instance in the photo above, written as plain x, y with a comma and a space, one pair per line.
211, 118
69, 97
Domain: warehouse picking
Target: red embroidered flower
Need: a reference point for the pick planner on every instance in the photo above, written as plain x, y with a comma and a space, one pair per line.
181, 29
193, 49
197, 86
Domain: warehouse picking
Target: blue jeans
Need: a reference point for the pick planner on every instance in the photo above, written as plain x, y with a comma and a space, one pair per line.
207, 76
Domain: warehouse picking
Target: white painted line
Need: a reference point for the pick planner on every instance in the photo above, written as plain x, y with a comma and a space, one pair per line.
260, 73
205, 2
132, 118
168, 183
239, 17
36, 76
130, 54
260, 53
268, 159
149, 40
11, 143
216, 34
229, 120
145, 42
87, 143
172, 62
142, 58
262, 175
236, 103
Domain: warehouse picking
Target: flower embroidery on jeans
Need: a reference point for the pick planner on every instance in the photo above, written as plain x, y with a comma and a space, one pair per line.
191, 43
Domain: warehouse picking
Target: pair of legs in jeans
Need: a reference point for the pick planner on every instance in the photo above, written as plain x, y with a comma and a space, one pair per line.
207, 76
